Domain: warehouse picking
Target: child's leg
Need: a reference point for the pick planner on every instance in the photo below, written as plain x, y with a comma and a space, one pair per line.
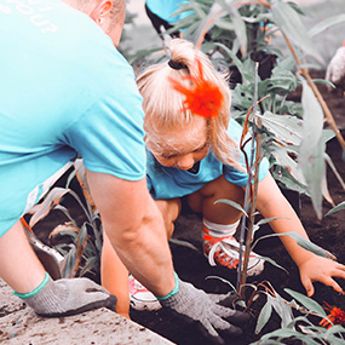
220, 222
114, 276
170, 210
203, 201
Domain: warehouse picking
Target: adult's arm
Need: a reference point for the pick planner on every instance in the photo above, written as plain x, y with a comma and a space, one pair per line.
135, 228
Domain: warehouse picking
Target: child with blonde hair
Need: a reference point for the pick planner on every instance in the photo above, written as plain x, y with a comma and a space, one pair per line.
198, 158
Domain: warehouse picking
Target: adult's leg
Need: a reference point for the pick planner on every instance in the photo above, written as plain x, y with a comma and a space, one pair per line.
19, 265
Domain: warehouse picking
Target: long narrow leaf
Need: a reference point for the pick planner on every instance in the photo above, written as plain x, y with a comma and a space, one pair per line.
290, 23
326, 23
311, 155
307, 302
264, 316
233, 204
336, 209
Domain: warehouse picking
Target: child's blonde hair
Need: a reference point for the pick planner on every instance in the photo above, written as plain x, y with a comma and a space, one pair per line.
163, 105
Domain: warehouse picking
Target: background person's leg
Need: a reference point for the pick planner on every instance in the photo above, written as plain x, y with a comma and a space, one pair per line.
141, 298
114, 276
157, 22
19, 266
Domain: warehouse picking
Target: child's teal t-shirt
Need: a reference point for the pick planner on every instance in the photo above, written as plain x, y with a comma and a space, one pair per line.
166, 9
64, 91
170, 183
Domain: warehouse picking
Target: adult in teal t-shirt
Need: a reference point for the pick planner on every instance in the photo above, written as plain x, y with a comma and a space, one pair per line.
59, 98
66, 91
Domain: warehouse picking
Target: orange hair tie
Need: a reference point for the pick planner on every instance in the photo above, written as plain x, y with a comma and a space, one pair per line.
204, 98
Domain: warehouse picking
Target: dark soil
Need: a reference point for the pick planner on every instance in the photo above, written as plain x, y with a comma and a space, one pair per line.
192, 266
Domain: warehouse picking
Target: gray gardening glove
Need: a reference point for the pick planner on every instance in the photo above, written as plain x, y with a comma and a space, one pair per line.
65, 297
195, 305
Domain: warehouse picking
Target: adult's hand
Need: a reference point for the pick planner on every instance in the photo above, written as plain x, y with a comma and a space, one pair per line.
193, 304
65, 297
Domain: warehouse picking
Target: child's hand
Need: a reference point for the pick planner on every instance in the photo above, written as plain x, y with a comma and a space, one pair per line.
322, 270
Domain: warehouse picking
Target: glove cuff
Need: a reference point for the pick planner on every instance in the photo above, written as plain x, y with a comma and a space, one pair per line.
35, 291
181, 297
173, 292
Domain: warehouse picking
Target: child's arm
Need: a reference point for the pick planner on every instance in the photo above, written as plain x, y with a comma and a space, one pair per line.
272, 203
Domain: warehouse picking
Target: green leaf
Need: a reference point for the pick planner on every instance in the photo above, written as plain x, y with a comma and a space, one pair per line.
326, 23
336, 209
308, 245
66, 229
232, 204
69, 263
311, 153
264, 316
283, 310
284, 160
273, 263
231, 55
290, 23
225, 25
285, 127
267, 220
238, 23
41, 210
307, 302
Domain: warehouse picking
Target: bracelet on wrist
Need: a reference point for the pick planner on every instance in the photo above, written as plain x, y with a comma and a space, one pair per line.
35, 291
173, 292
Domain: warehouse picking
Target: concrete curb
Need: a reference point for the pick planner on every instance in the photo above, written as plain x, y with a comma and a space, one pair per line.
20, 326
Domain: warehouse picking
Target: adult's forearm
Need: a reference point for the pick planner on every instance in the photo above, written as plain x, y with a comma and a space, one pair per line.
135, 229
144, 250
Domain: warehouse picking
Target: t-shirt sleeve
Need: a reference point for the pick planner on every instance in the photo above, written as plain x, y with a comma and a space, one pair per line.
231, 174
109, 136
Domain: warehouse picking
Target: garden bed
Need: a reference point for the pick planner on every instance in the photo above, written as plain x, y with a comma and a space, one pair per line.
20, 326
192, 266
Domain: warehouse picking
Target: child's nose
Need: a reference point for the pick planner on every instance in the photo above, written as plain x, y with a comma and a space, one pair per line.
186, 162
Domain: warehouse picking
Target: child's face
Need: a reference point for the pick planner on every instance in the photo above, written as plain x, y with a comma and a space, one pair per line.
181, 148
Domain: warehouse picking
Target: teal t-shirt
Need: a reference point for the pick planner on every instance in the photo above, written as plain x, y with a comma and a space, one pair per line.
64, 91
166, 9
170, 183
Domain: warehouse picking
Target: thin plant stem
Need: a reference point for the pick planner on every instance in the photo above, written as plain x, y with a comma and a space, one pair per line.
250, 195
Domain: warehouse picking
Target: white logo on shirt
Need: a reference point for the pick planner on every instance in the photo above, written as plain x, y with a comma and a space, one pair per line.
34, 10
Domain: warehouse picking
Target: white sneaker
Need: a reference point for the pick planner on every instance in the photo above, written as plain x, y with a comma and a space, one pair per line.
224, 251
141, 299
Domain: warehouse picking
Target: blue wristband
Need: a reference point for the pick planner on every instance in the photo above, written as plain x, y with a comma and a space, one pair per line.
35, 291
173, 292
